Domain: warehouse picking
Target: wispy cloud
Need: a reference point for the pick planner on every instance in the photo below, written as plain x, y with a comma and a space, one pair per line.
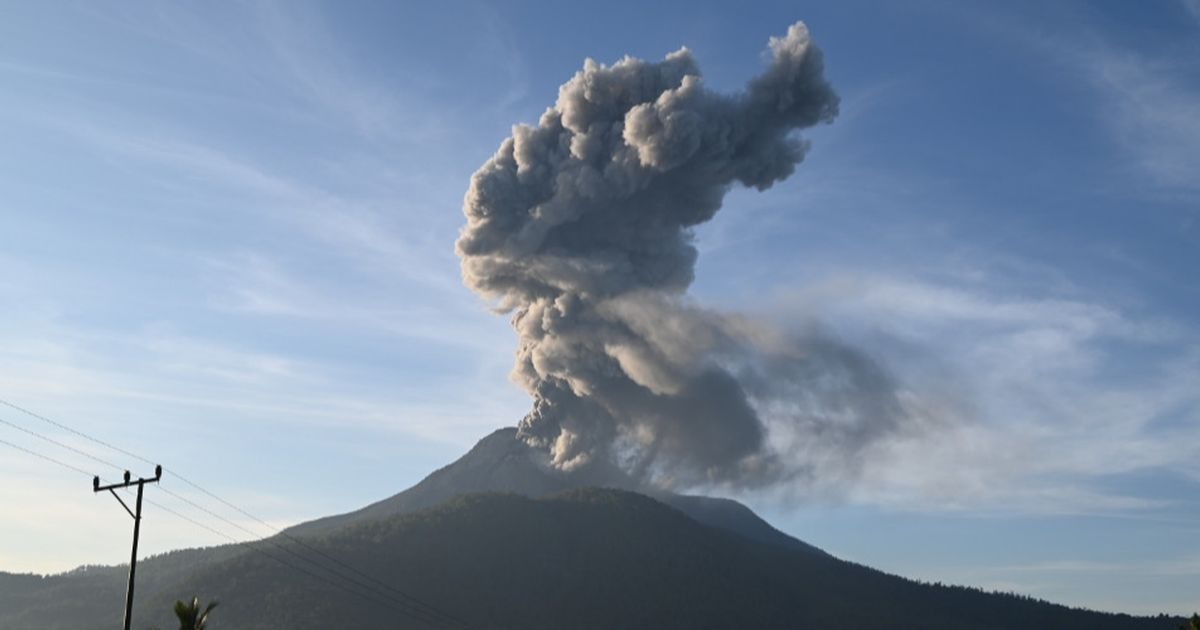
1151, 110
199, 374
1142, 97
255, 285
1193, 7
382, 232
1036, 404
342, 247
312, 61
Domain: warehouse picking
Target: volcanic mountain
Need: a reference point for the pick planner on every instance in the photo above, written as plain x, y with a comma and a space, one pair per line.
496, 540
502, 463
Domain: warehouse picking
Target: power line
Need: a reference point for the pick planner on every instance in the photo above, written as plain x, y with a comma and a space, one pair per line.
254, 545
421, 606
301, 543
411, 603
45, 457
76, 432
50, 459
136, 514
60, 444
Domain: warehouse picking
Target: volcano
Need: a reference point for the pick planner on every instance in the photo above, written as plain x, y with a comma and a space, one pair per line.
503, 463
498, 540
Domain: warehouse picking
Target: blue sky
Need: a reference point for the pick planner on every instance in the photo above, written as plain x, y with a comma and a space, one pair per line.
228, 245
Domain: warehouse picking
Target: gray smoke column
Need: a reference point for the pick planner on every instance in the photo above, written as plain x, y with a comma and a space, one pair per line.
581, 228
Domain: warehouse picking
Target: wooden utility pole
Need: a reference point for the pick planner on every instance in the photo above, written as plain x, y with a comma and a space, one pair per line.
137, 526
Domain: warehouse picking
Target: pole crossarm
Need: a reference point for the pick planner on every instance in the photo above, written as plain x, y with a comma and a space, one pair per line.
96, 487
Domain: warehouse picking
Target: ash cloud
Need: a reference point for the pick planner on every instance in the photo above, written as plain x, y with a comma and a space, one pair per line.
581, 228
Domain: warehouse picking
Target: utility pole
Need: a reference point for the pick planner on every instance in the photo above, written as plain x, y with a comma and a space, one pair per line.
137, 525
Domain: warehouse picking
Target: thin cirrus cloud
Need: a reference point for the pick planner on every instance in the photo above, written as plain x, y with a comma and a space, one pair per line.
362, 240
1144, 98
1152, 114
378, 236
1038, 418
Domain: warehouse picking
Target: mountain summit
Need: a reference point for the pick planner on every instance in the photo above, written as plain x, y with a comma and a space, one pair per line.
501, 462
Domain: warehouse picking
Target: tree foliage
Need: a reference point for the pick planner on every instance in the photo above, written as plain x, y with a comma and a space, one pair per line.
191, 617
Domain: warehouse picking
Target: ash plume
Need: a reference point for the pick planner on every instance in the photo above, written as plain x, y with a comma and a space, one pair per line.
581, 227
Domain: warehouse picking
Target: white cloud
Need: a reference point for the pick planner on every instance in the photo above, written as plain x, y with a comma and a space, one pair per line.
1144, 96
1026, 416
1151, 108
256, 285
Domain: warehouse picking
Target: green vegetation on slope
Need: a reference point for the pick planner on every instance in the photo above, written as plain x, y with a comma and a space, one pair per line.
602, 559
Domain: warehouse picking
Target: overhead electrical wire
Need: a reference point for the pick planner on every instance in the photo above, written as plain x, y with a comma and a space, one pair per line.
255, 545
60, 444
422, 607
376, 584
305, 545
376, 590
399, 601
75, 431
45, 457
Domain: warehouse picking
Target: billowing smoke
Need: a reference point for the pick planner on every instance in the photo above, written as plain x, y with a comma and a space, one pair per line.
581, 227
